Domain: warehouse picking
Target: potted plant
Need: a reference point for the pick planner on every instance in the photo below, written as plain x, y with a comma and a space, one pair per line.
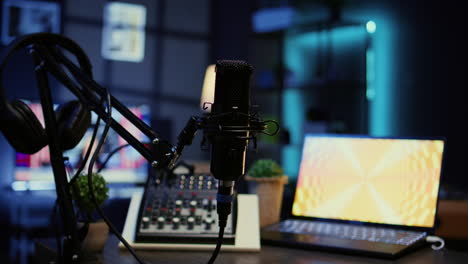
266, 179
93, 230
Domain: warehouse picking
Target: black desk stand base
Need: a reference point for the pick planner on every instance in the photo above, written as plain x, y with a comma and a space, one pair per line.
46, 253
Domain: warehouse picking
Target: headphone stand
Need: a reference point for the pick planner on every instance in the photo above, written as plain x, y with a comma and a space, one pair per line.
70, 252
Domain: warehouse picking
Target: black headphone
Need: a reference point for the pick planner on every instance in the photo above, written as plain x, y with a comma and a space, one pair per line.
18, 123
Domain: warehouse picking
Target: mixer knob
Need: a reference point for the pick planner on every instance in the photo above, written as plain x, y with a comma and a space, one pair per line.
161, 221
175, 223
208, 222
148, 210
177, 211
178, 203
145, 220
192, 211
190, 222
193, 203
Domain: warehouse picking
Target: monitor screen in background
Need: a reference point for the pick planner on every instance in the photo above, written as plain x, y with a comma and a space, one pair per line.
387, 181
125, 166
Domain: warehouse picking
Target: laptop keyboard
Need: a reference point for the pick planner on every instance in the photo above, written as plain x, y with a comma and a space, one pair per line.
345, 231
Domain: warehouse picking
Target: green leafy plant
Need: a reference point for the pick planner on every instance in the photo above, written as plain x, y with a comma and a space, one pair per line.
82, 196
265, 168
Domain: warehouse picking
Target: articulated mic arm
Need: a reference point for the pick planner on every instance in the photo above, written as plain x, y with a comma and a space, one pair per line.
161, 155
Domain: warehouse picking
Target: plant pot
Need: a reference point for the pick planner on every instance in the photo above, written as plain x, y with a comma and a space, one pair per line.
270, 196
96, 238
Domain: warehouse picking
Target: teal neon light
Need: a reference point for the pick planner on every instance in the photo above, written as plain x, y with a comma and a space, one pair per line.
370, 74
293, 118
381, 61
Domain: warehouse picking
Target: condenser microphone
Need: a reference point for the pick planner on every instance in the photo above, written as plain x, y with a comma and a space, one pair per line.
228, 128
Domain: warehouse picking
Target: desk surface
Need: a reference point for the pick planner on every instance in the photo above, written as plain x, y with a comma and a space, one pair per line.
270, 254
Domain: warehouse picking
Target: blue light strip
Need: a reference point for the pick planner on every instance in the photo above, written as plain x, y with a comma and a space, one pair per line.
293, 119
383, 105
370, 73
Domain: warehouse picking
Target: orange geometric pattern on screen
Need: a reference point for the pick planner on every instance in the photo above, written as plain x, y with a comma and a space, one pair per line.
373, 180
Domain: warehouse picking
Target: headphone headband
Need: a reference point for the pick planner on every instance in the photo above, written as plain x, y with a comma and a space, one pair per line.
47, 39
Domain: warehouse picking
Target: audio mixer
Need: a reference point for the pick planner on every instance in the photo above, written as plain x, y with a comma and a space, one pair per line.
181, 208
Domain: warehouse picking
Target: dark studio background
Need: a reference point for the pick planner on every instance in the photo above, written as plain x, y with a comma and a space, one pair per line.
426, 79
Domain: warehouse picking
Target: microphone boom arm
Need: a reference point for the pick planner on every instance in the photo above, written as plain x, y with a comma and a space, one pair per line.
161, 156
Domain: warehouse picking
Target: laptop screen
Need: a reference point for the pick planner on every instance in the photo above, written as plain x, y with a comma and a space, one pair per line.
376, 180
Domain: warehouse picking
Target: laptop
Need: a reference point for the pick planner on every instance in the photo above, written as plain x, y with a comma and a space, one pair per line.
363, 195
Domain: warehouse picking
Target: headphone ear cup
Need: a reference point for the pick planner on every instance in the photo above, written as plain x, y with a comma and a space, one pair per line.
22, 129
73, 119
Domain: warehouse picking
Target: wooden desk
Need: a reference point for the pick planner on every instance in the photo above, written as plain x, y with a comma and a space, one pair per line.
453, 218
273, 255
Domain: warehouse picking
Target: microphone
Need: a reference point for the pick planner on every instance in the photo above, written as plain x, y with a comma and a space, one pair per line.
228, 129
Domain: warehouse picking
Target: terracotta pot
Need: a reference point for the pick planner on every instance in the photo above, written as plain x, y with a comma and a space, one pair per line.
95, 238
270, 196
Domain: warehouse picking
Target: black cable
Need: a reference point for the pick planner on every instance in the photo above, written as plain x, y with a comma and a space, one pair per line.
223, 208
90, 183
218, 246
90, 147
109, 156
57, 232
